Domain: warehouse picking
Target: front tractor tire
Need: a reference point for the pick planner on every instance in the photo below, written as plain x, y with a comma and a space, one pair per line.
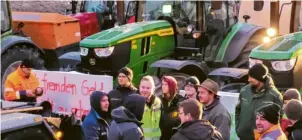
11, 59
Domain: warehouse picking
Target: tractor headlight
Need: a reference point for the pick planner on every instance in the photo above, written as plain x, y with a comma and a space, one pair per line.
83, 51
104, 52
271, 32
252, 62
285, 65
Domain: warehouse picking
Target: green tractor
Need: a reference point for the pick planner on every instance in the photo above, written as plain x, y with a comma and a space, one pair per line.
283, 57
177, 38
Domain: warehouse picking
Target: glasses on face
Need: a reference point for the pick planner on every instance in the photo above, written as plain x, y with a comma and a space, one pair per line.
189, 86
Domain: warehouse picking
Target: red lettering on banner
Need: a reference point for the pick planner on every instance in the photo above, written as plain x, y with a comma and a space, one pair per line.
55, 87
86, 90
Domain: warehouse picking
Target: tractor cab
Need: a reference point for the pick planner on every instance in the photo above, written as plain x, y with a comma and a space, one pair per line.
5, 18
199, 26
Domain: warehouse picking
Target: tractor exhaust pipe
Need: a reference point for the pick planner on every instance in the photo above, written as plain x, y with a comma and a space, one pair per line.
275, 17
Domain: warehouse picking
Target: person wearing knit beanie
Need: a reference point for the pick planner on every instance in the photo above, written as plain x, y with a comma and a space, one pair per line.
126, 72
293, 111
253, 96
267, 122
258, 75
123, 89
191, 87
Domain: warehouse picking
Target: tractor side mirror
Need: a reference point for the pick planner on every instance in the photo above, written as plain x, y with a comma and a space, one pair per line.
216, 5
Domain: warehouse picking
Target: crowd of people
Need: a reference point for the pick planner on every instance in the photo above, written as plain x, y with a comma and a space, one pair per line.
128, 113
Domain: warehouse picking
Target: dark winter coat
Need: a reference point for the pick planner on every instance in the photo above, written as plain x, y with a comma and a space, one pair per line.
197, 130
118, 94
125, 126
249, 102
218, 116
295, 131
95, 127
169, 116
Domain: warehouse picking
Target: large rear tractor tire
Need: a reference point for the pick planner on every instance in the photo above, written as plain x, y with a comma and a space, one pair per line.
11, 59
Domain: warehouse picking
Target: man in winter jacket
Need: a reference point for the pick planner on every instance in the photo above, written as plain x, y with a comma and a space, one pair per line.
22, 85
96, 124
268, 123
123, 89
192, 126
213, 110
293, 111
261, 89
152, 112
126, 119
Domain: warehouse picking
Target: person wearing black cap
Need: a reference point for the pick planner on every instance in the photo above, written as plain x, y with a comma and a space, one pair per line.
126, 119
123, 89
191, 87
96, 124
268, 123
22, 84
293, 111
259, 90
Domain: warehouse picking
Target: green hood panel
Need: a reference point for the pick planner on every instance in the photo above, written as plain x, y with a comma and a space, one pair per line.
122, 33
281, 48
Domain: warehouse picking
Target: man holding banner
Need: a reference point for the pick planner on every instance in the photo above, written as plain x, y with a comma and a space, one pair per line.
22, 84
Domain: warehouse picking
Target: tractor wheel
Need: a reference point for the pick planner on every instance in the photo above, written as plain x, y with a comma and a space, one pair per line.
242, 61
11, 59
180, 78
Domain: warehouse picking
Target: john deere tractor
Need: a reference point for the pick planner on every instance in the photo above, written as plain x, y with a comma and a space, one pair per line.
172, 37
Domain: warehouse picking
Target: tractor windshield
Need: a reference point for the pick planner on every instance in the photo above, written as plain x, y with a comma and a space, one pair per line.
182, 12
5, 20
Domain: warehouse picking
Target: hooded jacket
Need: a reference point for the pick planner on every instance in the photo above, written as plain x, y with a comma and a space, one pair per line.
249, 102
118, 94
96, 124
197, 130
126, 123
218, 116
16, 85
295, 131
169, 116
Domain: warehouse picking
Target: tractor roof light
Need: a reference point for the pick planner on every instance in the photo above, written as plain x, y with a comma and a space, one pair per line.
190, 28
83, 51
104, 52
266, 39
252, 62
284, 65
271, 32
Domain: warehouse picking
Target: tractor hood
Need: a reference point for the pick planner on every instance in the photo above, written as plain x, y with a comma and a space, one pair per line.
127, 32
281, 48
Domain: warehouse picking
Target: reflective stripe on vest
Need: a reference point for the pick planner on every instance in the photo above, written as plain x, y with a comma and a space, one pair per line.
273, 134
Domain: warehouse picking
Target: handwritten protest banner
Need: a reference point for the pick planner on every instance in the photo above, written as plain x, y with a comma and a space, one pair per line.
229, 101
67, 91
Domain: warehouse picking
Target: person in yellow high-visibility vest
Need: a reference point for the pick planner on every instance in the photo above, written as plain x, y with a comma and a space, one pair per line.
152, 109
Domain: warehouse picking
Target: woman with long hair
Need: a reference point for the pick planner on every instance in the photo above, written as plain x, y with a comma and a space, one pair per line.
169, 110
